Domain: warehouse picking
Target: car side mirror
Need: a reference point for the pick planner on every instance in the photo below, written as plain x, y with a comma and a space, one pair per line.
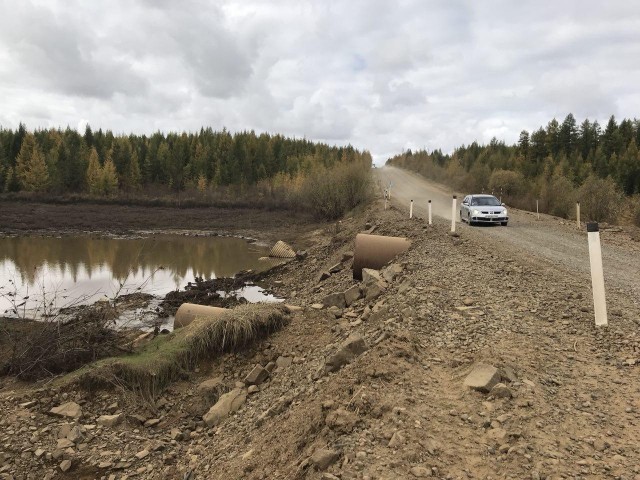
502, 204
465, 203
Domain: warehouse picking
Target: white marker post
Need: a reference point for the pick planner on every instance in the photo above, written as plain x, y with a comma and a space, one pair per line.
597, 274
537, 211
453, 215
578, 214
411, 209
430, 222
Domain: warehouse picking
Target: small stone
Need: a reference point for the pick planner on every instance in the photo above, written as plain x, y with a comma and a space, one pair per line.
353, 346
67, 410
152, 422
397, 440
371, 275
64, 443
323, 458
335, 268
257, 375
270, 367
342, 420
65, 465
482, 378
500, 390
39, 452
253, 389
317, 306
211, 386
226, 404
468, 301
142, 454
110, 420
323, 276
334, 300
352, 294
420, 472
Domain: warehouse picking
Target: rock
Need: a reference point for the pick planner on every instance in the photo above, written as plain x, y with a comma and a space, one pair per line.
334, 300
228, 403
65, 465
211, 386
257, 375
373, 290
346, 256
353, 346
253, 389
67, 410
335, 268
369, 274
270, 367
293, 308
390, 272
301, 254
317, 306
110, 420
342, 420
498, 435
282, 250
30, 404
468, 301
509, 375
352, 294
64, 443
39, 452
397, 440
500, 390
482, 378
329, 476
152, 422
142, 454
323, 458
420, 472
284, 362
323, 276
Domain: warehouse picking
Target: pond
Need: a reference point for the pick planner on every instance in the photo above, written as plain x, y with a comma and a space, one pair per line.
40, 274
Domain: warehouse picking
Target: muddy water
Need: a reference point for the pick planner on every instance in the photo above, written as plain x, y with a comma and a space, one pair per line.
41, 273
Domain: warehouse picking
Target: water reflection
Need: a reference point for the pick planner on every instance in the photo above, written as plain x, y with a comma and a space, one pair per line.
98, 266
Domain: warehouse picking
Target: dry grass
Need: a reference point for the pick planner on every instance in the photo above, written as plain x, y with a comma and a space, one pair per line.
169, 357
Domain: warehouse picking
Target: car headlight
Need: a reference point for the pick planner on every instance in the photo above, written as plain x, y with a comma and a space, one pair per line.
505, 212
476, 212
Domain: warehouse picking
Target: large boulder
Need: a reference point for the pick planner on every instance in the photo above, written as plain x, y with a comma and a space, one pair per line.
323, 458
256, 376
110, 420
228, 403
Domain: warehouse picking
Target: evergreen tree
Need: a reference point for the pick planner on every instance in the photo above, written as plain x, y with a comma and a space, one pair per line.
24, 156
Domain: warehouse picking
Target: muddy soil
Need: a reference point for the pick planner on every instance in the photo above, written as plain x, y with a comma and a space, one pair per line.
398, 408
268, 226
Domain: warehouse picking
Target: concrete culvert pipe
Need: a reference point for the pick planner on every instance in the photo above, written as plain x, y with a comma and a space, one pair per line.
189, 311
375, 251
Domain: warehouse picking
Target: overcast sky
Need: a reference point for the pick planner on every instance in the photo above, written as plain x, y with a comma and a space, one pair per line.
382, 75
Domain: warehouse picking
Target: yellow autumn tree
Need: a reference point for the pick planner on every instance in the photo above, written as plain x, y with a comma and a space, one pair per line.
94, 173
109, 177
36, 176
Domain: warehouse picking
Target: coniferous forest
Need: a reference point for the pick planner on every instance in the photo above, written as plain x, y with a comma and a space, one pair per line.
272, 169
558, 165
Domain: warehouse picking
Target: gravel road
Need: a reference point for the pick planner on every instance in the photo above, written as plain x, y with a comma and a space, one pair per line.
550, 239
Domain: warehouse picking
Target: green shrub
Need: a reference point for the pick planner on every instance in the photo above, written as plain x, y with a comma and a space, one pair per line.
558, 196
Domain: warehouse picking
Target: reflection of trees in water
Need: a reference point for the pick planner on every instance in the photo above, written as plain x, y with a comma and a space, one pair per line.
205, 256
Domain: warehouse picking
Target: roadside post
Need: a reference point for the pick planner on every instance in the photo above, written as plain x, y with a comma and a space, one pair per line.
537, 211
597, 274
578, 214
453, 215
430, 222
411, 209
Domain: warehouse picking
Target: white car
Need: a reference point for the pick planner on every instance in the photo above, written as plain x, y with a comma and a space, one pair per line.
483, 209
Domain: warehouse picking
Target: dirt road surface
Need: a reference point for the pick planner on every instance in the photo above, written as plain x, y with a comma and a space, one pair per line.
550, 238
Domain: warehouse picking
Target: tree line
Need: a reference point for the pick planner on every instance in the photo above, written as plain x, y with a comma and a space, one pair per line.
100, 163
556, 164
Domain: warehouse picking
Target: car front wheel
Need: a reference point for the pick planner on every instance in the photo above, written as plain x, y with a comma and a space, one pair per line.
469, 220
504, 224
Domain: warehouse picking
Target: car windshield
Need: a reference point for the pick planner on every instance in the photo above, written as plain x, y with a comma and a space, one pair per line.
485, 202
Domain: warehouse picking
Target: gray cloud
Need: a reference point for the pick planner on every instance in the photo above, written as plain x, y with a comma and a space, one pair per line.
381, 75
